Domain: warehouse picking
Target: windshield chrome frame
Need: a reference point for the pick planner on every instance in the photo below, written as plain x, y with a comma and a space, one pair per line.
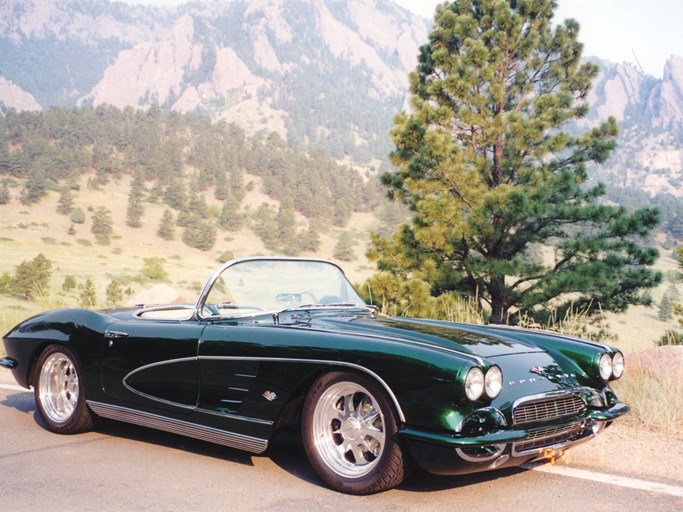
204, 295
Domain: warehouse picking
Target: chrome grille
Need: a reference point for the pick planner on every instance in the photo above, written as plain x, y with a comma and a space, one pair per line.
547, 437
548, 409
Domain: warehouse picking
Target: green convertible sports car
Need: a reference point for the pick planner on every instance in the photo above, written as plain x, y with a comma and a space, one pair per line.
275, 343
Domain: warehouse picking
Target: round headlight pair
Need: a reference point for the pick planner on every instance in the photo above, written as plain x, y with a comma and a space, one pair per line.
478, 383
611, 366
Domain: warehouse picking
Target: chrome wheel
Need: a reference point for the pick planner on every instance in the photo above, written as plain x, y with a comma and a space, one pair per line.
59, 389
348, 429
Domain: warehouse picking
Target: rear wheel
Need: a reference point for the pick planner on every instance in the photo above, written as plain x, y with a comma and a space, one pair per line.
59, 392
350, 435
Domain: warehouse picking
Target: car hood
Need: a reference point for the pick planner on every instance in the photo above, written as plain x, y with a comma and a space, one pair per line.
476, 340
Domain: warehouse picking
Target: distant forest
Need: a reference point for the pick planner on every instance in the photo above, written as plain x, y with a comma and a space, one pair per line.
179, 160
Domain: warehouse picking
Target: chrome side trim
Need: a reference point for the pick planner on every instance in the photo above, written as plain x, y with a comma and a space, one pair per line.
185, 428
152, 397
261, 359
316, 361
160, 363
234, 416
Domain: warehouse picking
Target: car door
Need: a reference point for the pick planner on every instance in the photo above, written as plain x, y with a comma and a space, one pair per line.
152, 364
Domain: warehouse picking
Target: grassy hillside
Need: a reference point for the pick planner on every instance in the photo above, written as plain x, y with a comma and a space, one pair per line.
26, 232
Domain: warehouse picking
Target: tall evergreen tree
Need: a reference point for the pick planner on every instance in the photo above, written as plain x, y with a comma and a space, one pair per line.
491, 172
5, 195
102, 223
343, 250
166, 227
65, 205
136, 210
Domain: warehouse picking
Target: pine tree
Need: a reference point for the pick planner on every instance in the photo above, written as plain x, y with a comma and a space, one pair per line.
136, 195
114, 292
310, 239
230, 218
88, 298
490, 172
344, 249
666, 309
65, 205
32, 278
166, 227
102, 223
5, 195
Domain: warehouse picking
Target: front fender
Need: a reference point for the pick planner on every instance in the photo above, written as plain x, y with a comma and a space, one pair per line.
79, 329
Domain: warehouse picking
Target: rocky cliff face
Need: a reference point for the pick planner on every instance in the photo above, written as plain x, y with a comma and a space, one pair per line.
14, 97
649, 158
252, 62
331, 73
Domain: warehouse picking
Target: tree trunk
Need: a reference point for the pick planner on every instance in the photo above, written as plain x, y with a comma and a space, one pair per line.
499, 303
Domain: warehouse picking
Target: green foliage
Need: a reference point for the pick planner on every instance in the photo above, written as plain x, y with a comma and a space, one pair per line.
78, 216
6, 283
5, 195
343, 250
230, 217
494, 178
88, 297
65, 205
32, 278
177, 158
666, 309
678, 254
102, 224
199, 233
135, 210
166, 227
114, 292
413, 298
670, 338
69, 283
225, 256
153, 268
309, 240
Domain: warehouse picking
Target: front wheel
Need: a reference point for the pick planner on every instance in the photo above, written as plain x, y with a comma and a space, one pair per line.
59, 392
350, 435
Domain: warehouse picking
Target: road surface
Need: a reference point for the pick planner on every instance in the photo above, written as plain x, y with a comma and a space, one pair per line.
128, 468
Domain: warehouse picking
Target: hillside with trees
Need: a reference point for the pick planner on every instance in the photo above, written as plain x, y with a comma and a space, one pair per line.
178, 161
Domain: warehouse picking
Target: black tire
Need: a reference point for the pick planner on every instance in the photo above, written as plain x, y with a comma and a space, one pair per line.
59, 392
350, 433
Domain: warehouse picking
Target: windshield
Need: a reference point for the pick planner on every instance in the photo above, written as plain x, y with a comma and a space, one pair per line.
249, 286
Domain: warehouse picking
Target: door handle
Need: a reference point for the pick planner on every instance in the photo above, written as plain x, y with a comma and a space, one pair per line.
116, 334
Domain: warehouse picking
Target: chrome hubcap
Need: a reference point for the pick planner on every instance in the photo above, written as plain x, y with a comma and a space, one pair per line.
349, 429
58, 387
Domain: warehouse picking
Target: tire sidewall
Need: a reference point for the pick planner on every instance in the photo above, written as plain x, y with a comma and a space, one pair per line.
381, 477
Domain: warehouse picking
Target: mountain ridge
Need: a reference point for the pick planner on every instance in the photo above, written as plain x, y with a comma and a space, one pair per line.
326, 73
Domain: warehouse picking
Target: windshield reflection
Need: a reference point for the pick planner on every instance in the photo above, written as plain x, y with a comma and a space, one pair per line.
265, 285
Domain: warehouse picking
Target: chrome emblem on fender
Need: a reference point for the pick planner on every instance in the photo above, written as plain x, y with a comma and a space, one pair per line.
269, 395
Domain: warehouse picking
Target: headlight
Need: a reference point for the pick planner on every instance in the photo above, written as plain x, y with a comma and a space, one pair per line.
493, 382
474, 383
605, 365
618, 365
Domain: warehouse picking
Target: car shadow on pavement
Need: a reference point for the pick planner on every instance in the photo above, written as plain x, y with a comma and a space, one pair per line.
287, 452
22, 401
173, 441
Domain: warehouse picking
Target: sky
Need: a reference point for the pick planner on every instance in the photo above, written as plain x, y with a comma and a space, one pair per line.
644, 33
